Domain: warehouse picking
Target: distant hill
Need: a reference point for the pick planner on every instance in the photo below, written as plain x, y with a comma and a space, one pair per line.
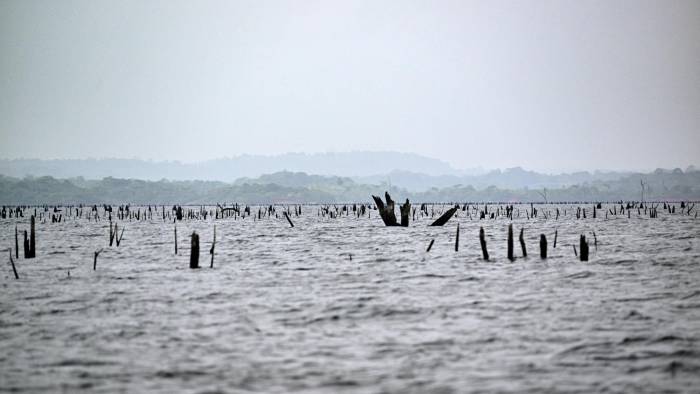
412, 172
230, 169
296, 187
511, 178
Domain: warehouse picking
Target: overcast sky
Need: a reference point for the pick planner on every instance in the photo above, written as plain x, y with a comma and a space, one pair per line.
547, 85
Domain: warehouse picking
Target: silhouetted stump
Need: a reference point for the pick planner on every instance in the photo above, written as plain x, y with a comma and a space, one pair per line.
445, 217
405, 213
482, 241
386, 212
543, 246
194, 251
583, 248
510, 243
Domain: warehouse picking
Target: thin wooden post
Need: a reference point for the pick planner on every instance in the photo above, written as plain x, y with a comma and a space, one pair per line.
211, 251
522, 242
119, 238
94, 263
16, 244
175, 239
430, 245
26, 246
288, 219
457, 239
482, 241
194, 251
13, 264
555, 240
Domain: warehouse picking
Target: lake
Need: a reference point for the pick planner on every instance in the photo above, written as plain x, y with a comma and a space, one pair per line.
345, 304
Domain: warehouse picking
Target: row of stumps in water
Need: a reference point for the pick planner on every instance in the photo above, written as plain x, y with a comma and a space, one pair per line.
582, 253
29, 245
386, 211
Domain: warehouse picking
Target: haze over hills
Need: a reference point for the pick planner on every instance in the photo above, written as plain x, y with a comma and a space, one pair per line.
409, 171
288, 187
361, 163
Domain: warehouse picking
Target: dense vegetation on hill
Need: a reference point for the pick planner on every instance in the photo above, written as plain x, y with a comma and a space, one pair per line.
289, 187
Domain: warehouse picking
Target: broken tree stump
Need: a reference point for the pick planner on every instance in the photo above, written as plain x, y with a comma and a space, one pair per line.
521, 238
583, 248
510, 243
482, 241
405, 213
386, 212
543, 246
194, 251
32, 239
94, 263
445, 217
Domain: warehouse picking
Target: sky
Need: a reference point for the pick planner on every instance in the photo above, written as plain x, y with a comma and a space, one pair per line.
546, 85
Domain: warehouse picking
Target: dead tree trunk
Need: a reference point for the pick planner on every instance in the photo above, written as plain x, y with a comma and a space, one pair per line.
386, 212
16, 244
26, 246
445, 217
32, 239
405, 213
510, 243
13, 264
543, 246
583, 248
288, 219
482, 241
213, 245
457, 239
194, 251
522, 242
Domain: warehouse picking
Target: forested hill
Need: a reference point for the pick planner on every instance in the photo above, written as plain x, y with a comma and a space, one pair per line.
288, 187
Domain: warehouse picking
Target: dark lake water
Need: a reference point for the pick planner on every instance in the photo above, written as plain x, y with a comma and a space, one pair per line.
347, 305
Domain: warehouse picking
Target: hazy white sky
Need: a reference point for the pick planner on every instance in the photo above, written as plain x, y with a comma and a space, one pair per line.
548, 85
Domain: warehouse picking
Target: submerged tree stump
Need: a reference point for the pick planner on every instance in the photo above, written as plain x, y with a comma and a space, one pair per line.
583, 248
543, 246
510, 243
386, 211
445, 217
32, 240
194, 251
457, 239
482, 241
405, 213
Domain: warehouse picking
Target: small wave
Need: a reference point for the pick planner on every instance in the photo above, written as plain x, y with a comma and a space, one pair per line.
581, 275
74, 362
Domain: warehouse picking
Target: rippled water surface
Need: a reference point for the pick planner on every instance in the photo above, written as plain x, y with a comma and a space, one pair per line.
348, 305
